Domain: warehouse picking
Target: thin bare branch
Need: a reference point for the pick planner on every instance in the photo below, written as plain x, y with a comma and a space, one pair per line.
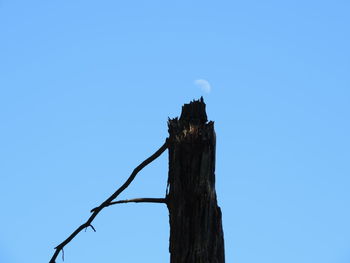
109, 200
140, 200
93, 228
136, 200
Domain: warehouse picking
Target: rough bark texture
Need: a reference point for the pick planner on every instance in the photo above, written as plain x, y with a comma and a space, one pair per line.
196, 234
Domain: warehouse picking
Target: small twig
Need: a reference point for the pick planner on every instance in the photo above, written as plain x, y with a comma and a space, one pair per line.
136, 200
109, 200
93, 228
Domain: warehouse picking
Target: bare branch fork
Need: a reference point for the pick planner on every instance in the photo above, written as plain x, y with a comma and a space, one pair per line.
109, 201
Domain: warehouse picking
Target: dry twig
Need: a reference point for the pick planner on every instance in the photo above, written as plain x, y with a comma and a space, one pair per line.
108, 201
136, 200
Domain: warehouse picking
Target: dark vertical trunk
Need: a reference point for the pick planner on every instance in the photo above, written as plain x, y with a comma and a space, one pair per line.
196, 234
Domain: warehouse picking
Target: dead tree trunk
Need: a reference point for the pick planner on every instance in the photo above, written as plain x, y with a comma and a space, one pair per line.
196, 234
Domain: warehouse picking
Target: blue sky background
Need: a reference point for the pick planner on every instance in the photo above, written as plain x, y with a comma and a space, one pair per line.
86, 88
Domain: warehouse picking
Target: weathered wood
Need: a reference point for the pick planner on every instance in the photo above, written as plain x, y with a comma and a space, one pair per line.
196, 234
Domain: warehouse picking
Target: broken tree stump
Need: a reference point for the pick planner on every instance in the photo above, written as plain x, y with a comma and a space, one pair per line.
196, 234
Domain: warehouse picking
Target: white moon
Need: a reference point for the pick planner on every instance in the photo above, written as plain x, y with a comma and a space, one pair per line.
203, 84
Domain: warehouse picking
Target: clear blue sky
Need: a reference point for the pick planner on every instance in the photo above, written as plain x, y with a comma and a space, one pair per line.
86, 88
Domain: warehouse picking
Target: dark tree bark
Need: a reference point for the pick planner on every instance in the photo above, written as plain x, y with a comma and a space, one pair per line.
196, 234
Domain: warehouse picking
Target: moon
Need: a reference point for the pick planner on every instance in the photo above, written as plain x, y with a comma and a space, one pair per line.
203, 84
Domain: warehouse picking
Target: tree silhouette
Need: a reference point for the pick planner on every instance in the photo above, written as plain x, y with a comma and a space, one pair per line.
196, 234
